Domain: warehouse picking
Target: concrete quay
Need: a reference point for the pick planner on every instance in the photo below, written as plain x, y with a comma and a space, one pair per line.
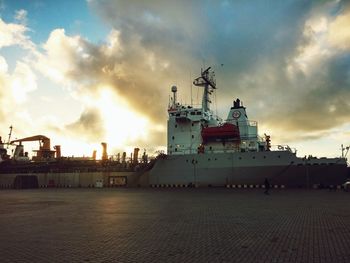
174, 225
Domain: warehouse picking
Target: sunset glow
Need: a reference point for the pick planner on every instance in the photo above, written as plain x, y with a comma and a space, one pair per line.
121, 124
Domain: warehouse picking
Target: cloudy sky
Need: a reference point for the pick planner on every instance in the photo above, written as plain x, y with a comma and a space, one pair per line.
86, 71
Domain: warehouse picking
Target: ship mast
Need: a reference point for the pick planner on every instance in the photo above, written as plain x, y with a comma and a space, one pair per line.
206, 80
9, 138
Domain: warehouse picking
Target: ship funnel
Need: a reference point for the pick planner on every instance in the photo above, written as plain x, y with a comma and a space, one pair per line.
94, 155
104, 151
136, 154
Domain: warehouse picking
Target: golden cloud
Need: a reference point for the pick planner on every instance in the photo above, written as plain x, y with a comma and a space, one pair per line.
339, 33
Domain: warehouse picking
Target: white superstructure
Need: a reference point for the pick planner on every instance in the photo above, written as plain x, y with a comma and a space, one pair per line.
197, 129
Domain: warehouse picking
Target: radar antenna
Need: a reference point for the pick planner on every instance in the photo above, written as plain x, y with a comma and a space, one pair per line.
206, 80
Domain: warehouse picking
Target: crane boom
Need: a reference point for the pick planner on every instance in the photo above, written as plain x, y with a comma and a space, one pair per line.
45, 140
31, 138
44, 151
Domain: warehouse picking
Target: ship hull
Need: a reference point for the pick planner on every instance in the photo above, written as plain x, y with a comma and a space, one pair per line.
248, 168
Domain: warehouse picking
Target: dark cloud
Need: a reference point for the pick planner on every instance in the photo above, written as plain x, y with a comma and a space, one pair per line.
325, 101
88, 127
256, 41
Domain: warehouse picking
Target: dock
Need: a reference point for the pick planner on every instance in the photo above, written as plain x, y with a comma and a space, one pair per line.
174, 225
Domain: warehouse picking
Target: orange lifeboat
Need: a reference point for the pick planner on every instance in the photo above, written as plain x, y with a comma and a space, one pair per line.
225, 132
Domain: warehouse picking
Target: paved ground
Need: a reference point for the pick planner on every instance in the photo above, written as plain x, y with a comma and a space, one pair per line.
174, 225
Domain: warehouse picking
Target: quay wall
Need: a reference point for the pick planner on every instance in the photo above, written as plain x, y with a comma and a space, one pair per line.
77, 179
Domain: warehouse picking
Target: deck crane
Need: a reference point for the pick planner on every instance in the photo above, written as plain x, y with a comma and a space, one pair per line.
44, 151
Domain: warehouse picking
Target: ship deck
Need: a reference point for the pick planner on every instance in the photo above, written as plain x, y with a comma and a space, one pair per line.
174, 225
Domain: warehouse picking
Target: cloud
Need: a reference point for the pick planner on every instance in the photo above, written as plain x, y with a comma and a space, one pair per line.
16, 83
89, 125
14, 90
14, 34
239, 35
61, 55
23, 82
3, 65
21, 16
3, 80
288, 61
88, 71
278, 58
339, 33
315, 93
132, 72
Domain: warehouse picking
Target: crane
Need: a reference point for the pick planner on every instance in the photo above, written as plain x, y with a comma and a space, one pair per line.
44, 151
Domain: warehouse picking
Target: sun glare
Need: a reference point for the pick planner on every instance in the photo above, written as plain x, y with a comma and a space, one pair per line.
121, 123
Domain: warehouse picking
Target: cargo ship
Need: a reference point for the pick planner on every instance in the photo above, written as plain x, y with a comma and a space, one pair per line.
204, 150
47, 168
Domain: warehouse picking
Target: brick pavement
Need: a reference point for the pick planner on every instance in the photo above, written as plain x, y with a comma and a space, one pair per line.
174, 225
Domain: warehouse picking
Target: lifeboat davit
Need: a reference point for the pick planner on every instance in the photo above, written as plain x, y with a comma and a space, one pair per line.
226, 132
